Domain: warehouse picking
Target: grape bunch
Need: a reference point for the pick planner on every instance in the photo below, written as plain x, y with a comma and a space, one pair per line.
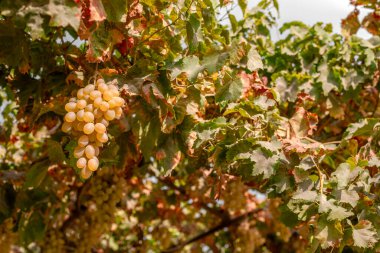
88, 115
96, 217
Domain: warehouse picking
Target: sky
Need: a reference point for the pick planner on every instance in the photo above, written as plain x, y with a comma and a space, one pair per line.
313, 11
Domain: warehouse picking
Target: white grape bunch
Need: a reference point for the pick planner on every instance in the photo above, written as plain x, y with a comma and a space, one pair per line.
87, 118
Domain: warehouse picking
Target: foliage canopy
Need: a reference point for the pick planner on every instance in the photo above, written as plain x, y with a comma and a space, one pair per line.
218, 115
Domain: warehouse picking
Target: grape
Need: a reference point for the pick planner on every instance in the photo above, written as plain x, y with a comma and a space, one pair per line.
97, 102
80, 93
88, 128
81, 104
85, 173
89, 151
89, 108
100, 82
100, 128
107, 95
102, 137
81, 163
95, 94
70, 117
70, 107
93, 164
118, 112
88, 89
80, 115
102, 87
78, 152
104, 106
103, 121
66, 127
110, 115
83, 141
72, 100
88, 117
112, 103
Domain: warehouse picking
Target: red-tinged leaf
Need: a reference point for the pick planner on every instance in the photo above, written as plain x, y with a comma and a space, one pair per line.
351, 24
303, 123
97, 12
372, 23
301, 147
135, 11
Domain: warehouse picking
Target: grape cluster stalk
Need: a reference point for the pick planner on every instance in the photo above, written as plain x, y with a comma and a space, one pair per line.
87, 118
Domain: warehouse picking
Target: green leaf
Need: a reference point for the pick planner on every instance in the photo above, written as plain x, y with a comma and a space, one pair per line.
193, 29
342, 175
33, 229
207, 130
214, 62
243, 6
101, 43
363, 128
169, 156
328, 233
263, 164
55, 152
188, 65
254, 60
234, 22
364, 235
115, 9
36, 175
325, 77
307, 195
231, 91
348, 196
14, 47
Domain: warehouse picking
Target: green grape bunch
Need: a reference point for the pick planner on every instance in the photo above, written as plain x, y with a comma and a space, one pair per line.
87, 118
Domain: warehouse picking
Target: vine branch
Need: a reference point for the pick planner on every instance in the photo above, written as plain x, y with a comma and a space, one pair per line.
221, 225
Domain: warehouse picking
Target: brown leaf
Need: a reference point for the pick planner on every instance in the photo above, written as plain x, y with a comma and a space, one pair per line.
351, 24
372, 23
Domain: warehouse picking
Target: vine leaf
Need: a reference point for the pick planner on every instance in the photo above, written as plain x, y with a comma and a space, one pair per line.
362, 128
364, 234
351, 24
101, 43
36, 174
328, 233
254, 60
55, 152
63, 13
97, 12
231, 91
